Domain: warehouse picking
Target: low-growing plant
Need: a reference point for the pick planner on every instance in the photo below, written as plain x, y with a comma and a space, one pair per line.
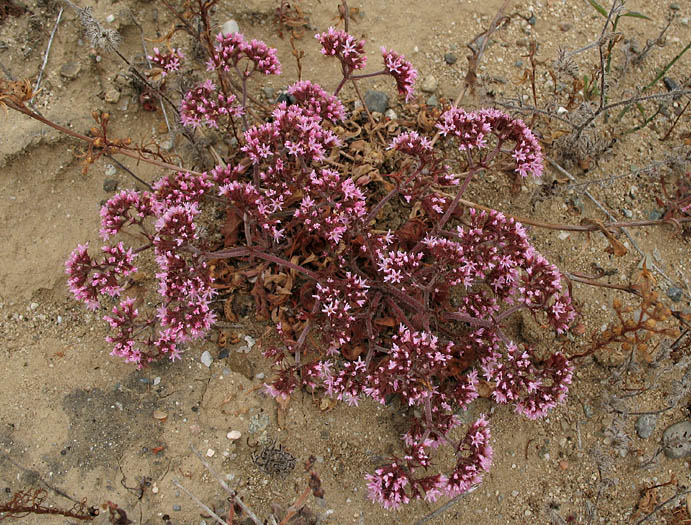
377, 309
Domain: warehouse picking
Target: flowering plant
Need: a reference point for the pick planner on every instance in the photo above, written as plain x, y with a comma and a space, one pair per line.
417, 311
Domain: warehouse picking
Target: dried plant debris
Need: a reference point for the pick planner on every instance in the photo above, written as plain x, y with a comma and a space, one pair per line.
273, 459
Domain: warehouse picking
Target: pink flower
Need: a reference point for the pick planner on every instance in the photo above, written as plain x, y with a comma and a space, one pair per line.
169, 61
316, 101
403, 72
343, 46
203, 105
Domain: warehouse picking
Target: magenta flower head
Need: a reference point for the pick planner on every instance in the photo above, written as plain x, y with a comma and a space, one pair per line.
316, 101
401, 70
231, 48
343, 46
203, 105
168, 62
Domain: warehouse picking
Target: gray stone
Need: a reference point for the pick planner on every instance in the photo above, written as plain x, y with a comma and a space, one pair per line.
433, 101
627, 213
532, 20
377, 101
450, 58
518, 63
588, 411
675, 293
269, 93
676, 440
654, 215
110, 170
206, 359
110, 185
674, 7
70, 70
645, 425
429, 84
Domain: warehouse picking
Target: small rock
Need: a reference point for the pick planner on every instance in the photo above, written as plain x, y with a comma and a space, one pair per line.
588, 411
210, 453
433, 101
676, 440
33, 306
429, 84
377, 101
450, 58
532, 20
112, 96
110, 19
627, 213
269, 93
675, 294
70, 70
390, 114
206, 359
250, 342
160, 415
563, 236
223, 353
561, 110
674, 6
234, 435
670, 84
685, 22
177, 508
645, 425
654, 215
110, 170
110, 185
518, 63
565, 27
231, 26
167, 145
157, 380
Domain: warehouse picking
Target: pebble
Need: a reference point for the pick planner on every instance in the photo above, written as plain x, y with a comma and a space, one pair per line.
518, 63
110, 18
167, 145
269, 93
231, 26
112, 96
177, 508
210, 453
588, 411
377, 101
160, 415
206, 359
645, 425
675, 294
433, 101
234, 435
676, 440
674, 7
429, 84
450, 58
70, 70
532, 20
110, 170
627, 213
157, 380
654, 215
390, 114
33, 306
110, 185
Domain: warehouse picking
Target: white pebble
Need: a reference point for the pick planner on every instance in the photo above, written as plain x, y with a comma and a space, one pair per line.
250, 342
110, 19
210, 453
206, 359
233, 435
231, 26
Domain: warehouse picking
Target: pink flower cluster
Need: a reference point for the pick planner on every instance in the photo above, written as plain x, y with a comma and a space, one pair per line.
472, 130
534, 392
204, 105
231, 48
401, 70
316, 101
184, 283
169, 61
379, 308
338, 43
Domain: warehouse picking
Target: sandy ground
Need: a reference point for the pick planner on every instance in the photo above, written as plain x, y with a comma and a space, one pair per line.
81, 421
